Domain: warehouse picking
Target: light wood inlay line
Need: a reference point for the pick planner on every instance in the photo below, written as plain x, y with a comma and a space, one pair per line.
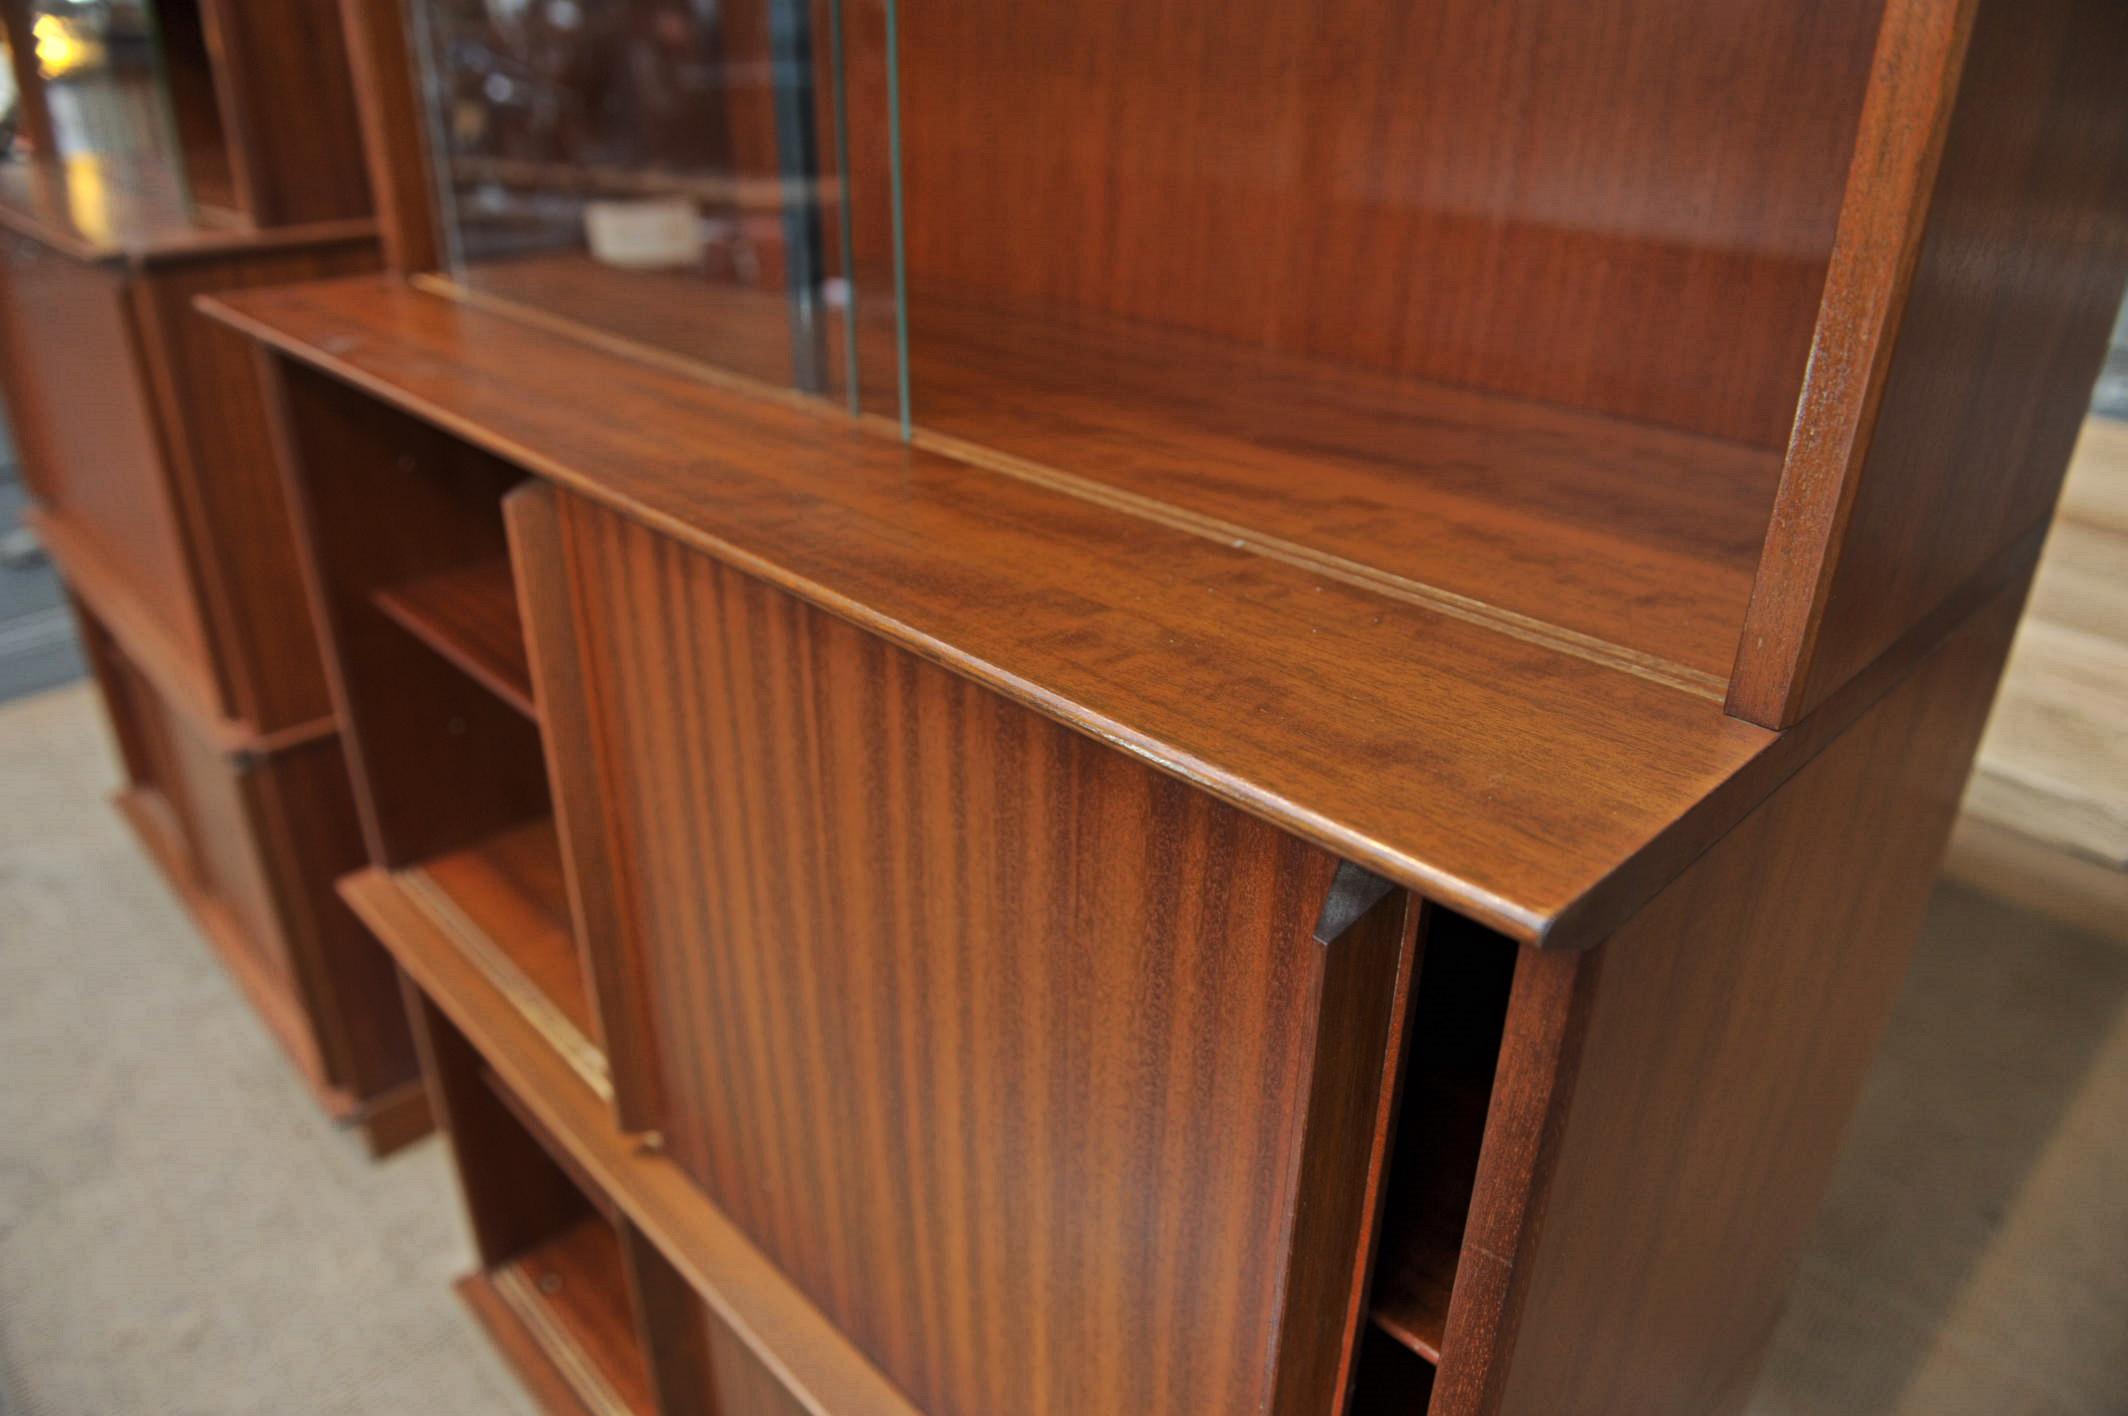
583, 1057
555, 1341
1527, 628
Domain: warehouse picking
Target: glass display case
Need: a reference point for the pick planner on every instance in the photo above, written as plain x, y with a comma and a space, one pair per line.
665, 172
1371, 279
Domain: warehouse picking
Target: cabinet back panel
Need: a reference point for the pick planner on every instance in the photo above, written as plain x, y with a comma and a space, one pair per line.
995, 1040
1622, 205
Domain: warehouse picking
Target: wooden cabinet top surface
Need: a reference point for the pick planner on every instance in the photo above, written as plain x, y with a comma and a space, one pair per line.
1543, 790
101, 209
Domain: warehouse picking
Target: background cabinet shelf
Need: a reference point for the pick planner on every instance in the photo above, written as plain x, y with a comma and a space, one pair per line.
468, 614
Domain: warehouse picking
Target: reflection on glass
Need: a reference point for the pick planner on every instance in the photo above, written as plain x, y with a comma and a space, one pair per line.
99, 68
662, 172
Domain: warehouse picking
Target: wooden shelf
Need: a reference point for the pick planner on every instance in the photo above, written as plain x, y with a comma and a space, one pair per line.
821, 1368
561, 1311
1422, 1231
1567, 777
1637, 537
504, 903
468, 614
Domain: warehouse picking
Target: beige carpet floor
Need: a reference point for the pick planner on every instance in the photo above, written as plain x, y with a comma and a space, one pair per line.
181, 1232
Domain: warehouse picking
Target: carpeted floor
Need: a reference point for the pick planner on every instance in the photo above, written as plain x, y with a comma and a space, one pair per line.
182, 1232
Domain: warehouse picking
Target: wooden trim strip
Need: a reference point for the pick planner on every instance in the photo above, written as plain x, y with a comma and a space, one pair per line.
557, 1344
816, 1363
582, 1055
1913, 88
1469, 609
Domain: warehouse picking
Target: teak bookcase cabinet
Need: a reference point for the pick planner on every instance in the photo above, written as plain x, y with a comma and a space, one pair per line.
1325, 816
142, 428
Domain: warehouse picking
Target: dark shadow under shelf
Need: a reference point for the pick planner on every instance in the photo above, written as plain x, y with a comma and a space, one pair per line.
468, 614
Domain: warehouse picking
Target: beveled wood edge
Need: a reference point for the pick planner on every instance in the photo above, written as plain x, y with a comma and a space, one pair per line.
205, 242
540, 560
814, 1360
1653, 667
394, 134
1579, 924
568, 1356
567, 1040
1906, 117
520, 1348
1615, 899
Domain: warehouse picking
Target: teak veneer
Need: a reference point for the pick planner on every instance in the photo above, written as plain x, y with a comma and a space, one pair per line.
145, 444
1299, 786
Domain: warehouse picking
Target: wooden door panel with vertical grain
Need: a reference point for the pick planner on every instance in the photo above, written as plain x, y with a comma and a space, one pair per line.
1021, 1058
87, 432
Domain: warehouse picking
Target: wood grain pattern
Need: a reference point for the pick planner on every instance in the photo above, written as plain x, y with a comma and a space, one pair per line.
1528, 779
626, 1032
821, 1368
1621, 207
388, 108
573, 1290
80, 411
1982, 254
300, 811
1653, 1161
514, 1194
287, 108
468, 614
439, 761
699, 1367
508, 889
227, 490
1128, 1118
1620, 540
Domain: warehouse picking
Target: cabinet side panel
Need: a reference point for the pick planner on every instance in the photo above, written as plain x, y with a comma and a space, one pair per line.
1723, 1036
288, 106
79, 409
207, 379
1915, 467
996, 1041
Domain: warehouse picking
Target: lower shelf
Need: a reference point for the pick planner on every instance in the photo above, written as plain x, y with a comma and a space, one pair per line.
814, 1364
504, 901
560, 1313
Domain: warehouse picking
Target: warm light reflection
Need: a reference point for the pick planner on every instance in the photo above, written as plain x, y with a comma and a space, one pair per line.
62, 47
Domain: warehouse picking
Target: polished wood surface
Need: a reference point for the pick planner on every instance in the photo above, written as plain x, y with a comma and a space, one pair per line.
287, 102
1549, 775
573, 1289
1457, 1024
439, 760
468, 614
379, 53
253, 845
1618, 539
226, 483
760, 1305
82, 415
945, 881
509, 888
626, 1033
1981, 255
1491, 196
1680, 1108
